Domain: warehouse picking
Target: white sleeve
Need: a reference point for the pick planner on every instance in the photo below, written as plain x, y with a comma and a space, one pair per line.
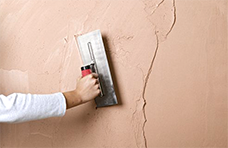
26, 107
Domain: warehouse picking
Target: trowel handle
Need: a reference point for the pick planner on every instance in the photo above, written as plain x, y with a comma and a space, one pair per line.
86, 70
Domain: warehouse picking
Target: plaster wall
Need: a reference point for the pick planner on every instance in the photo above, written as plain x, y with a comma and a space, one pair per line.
168, 59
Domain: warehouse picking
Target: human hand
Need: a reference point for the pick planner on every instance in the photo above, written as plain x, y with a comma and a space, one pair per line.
86, 90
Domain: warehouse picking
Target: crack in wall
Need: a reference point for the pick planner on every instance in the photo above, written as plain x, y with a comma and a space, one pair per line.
157, 6
175, 18
41, 134
151, 67
144, 88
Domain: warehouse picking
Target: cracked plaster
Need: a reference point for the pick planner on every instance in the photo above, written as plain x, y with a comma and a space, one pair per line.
186, 92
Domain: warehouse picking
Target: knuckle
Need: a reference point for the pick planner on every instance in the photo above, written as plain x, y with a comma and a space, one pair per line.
95, 75
98, 91
94, 81
97, 81
90, 76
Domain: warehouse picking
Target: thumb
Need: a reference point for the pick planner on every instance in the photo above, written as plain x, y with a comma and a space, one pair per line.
79, 78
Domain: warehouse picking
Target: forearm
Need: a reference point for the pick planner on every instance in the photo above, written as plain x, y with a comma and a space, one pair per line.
72, 99
26, 107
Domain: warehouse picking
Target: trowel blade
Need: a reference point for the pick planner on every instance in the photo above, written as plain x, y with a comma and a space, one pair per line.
94, 41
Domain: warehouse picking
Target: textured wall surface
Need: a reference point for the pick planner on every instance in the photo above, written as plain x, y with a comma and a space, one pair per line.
168, 60
187, 90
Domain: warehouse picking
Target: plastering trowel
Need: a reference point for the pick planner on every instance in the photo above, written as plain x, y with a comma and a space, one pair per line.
93, 56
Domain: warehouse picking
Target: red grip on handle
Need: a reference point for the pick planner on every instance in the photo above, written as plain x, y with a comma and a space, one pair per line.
86, 72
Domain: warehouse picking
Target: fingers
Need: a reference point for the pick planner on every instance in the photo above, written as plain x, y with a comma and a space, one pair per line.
94, 75
96, 86
98, 91
94, 81
97, 81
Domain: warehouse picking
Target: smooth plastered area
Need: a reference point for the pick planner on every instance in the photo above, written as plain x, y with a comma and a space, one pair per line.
168, 60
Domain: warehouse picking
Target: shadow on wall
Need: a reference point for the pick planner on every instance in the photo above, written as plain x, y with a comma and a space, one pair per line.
112, 70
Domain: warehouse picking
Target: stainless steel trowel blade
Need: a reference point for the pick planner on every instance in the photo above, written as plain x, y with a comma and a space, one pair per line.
92, 51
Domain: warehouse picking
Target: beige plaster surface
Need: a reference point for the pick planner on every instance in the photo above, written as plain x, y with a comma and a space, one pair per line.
187, 90
168, 59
